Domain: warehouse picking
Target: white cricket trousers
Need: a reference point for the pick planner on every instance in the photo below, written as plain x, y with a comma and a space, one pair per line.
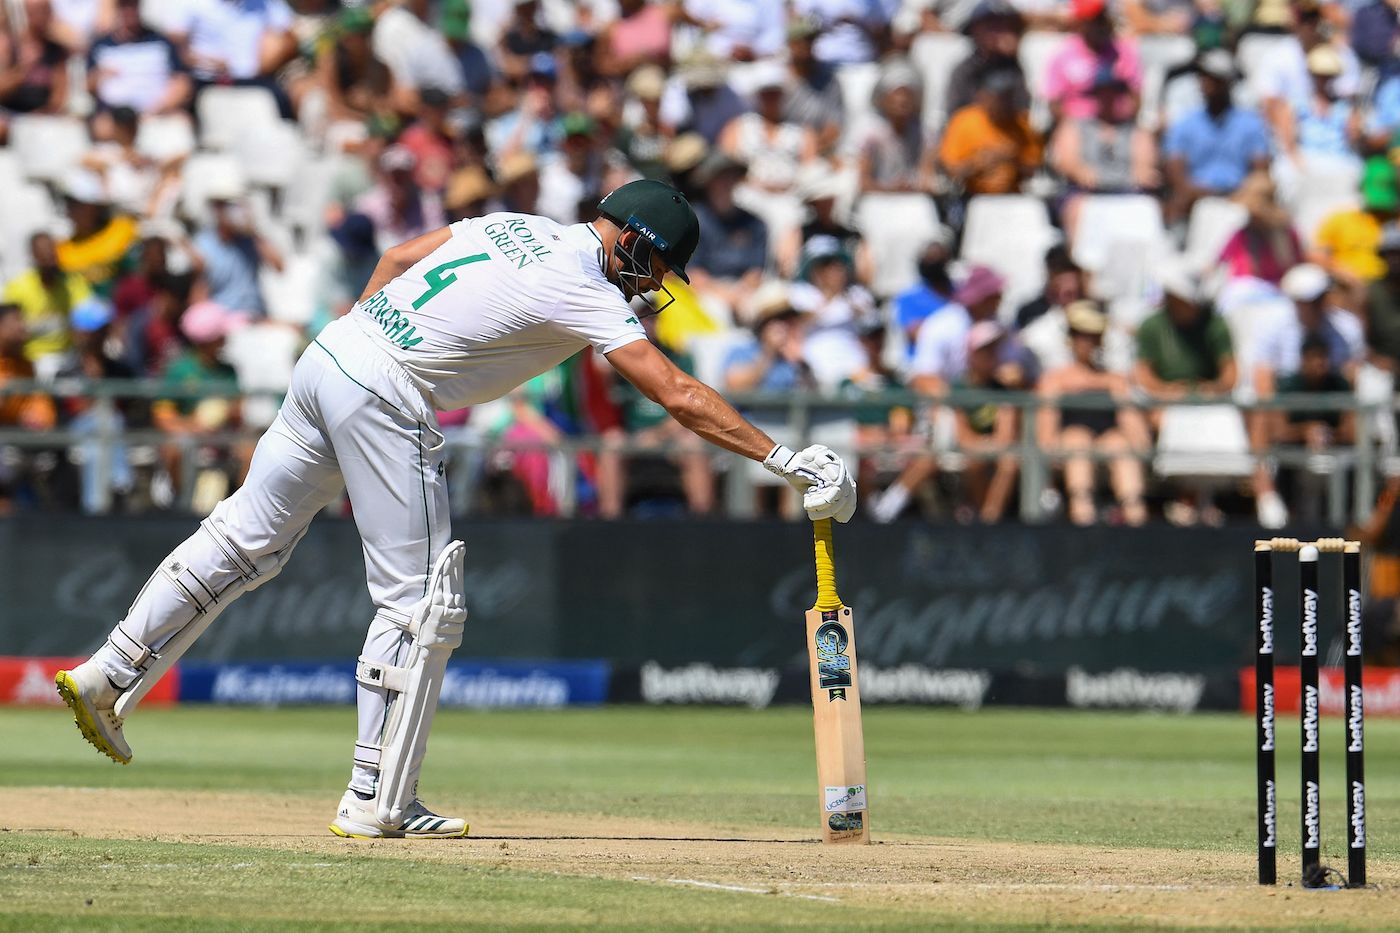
352, 420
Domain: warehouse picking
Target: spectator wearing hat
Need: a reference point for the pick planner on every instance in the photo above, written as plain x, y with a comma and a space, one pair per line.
33, 66
572, 179
518, 177
479, 75
1089, 412
1094, 48
989, 147
1283, 79
820, 188
1104, 153
1382, 307
1277, 355
834, 310
46, 294
1314, 430
940, 349
987, 429
813, 93
416, 54
643, 138
1210, 151
525, 37
232, 42
30, 411
102, 236
737, 30
931, 293
399, 208
1346, 242
134, 66
94, 359
995, 28
192, 415
701, 100
728, 264
1321, 131
1183, 349
772, 148
470, 193
891, 143
231, 252
641, 35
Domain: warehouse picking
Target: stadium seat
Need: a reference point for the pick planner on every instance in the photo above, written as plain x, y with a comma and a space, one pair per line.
1323, 188
165, 138
857, 83
1213, 221
1255, 49
27, 209
936, 55
1035, 53
47, 146
1203, 441
1107, 219
895, 228
272, 156
1010, 233
1159, 54
263, 355
290, 295
202, 173
227, 114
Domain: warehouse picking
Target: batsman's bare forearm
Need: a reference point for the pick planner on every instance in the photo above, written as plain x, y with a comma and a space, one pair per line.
399, 259
693, 404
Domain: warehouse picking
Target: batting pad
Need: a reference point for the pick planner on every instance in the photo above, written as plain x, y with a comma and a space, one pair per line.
436, 626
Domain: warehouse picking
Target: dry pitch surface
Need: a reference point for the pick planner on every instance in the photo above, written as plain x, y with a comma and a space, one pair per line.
188, 856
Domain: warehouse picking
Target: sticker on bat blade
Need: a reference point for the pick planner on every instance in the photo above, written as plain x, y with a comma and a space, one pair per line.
846, 822
845, 799
833, 665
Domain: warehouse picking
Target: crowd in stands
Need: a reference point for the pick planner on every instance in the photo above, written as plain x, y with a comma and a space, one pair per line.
1114, 206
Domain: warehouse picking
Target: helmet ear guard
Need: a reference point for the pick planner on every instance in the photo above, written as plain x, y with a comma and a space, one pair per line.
634, 254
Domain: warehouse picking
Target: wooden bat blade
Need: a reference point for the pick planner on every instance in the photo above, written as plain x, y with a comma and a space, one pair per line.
831, 648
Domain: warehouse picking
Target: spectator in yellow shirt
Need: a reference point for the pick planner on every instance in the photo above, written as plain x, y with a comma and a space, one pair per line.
102, 240
1348, 242
45, 295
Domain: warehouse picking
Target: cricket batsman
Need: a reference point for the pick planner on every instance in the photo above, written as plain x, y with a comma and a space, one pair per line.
453, 318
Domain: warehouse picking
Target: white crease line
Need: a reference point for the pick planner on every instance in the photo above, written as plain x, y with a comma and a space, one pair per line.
716, 886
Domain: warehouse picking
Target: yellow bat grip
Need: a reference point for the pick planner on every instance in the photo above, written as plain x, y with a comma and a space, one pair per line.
827, 600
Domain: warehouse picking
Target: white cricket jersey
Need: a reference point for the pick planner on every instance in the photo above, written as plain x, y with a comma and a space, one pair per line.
508, 297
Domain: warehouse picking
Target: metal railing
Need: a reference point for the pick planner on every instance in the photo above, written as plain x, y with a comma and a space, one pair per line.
801, 414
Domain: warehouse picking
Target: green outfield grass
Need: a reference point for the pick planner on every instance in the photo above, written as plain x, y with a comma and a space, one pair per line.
1095, 783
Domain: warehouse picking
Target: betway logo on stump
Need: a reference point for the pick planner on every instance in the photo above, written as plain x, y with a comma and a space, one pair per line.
1358, 815
1270, 815
1309, 623
1311, 818
1353, 624
1310, 707
1268, 719
1266, 620
1355, 722
1133, 689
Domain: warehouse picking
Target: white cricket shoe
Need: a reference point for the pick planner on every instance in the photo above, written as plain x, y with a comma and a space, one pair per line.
92, 698
357, 819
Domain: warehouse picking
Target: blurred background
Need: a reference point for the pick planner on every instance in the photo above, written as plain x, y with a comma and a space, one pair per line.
1032, 265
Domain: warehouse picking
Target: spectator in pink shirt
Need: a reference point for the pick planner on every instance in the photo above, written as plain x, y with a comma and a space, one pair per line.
1069, 78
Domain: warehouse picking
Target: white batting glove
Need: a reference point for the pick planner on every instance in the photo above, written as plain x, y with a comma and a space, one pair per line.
827, 487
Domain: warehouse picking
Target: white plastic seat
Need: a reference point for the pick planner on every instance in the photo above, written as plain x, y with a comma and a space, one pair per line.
271, 157
1035, 53
27, 209
48, 146
165, 138
1213, 221
227, 114
1255, 50
1106, 219
857, 82
1010, 233
895, 228
1203, 441
290, 295
263, 355
936, 55
205, 172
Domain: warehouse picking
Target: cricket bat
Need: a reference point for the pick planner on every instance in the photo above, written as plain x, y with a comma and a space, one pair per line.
831, 646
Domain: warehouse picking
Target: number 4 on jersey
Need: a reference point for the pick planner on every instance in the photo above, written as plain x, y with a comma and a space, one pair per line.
439, 277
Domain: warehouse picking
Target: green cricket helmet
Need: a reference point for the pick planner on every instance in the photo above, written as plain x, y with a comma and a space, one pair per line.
664, 222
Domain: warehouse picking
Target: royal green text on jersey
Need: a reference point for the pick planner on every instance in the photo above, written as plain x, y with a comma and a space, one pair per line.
516, 241
395, 323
